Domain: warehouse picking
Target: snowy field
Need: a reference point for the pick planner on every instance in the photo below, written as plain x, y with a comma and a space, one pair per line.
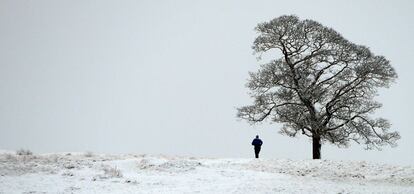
92, 173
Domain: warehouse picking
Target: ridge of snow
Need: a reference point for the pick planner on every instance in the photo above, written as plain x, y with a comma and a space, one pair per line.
131, 173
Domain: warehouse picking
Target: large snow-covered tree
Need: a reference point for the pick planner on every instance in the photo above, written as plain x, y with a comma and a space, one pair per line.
320, 85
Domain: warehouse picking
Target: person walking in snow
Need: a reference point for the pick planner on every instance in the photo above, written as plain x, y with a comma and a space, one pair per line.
257, 143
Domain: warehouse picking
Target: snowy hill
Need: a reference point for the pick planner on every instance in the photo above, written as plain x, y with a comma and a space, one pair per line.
90, 173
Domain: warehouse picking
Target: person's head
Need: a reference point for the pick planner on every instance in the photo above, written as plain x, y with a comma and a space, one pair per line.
257, 136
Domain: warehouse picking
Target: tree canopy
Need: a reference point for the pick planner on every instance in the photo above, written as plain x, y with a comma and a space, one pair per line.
323, 86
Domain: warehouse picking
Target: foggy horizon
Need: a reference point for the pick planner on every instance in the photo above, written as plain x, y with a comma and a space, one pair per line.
166, 77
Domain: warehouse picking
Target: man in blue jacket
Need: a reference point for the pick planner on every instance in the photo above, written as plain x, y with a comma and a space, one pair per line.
257, 143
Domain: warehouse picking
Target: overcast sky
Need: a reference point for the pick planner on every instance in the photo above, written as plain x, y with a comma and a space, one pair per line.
166, 77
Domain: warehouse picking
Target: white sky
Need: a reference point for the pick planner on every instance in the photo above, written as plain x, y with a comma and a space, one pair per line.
166, 77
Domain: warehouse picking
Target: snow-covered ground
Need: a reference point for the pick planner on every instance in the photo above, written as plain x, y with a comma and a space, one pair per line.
92, 173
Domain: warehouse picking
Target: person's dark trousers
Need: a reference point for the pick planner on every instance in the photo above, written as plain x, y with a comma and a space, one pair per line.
256, 151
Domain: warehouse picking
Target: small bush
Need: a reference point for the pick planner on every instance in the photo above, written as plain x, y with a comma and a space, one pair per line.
24, 152
10, 157
69, 165
67, 174
88, 154
112, 172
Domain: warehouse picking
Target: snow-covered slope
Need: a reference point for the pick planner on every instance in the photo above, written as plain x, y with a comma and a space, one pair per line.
90, 173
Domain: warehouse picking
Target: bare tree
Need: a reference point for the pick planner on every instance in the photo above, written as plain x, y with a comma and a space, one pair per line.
322, 86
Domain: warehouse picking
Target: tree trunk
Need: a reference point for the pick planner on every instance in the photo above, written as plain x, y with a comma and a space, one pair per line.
316, 145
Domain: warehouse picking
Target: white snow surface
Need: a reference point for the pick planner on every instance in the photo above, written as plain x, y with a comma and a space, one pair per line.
131, 173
